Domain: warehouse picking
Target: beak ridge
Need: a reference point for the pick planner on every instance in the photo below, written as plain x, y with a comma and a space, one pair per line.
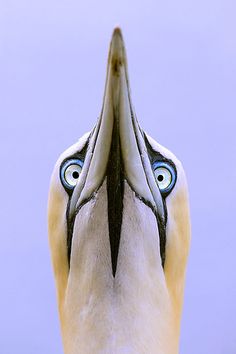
117, 110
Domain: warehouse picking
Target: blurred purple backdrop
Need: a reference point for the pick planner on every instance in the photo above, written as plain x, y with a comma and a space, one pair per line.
182, 63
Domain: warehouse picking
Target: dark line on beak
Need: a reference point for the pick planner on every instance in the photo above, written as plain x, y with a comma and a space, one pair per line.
115, 193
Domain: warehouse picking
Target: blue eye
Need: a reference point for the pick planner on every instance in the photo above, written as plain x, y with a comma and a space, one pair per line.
70, 173
165, 176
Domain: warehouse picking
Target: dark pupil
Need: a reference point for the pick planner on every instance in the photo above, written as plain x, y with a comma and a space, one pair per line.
160, 178
75, 174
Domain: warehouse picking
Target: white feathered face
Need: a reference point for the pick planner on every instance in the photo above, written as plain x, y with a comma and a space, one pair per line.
118, 206
163, 172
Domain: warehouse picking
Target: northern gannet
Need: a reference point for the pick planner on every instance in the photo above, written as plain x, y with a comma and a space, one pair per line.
119, 231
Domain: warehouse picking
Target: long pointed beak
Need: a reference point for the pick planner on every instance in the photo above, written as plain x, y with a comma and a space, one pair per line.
117, 109
116, 153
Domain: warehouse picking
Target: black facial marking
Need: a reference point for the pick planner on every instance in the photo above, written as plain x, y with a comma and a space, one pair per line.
115, 193
71, 220
162, 235
157, 156
70, 229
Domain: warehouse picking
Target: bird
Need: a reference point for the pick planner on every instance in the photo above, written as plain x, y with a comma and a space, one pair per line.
119, 231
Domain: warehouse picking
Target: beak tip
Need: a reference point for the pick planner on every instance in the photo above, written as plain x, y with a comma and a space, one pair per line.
117, 41
117, 32
117, 56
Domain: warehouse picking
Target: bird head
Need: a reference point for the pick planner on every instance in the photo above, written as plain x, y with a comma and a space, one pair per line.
118, 227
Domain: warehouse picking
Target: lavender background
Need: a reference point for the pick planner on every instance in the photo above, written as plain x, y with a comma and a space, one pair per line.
182, 63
